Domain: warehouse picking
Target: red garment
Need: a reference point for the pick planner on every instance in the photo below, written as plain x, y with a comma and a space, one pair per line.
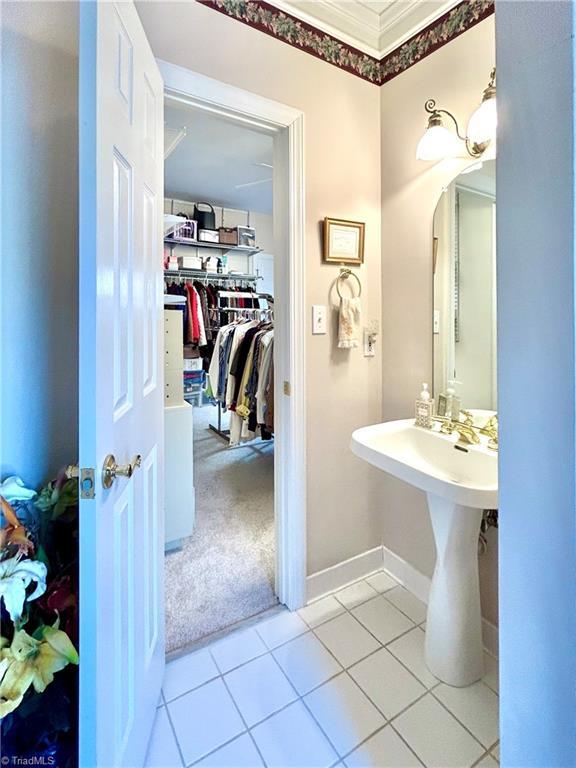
193, 325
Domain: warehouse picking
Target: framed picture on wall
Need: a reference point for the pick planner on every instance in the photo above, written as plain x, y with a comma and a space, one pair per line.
343, 242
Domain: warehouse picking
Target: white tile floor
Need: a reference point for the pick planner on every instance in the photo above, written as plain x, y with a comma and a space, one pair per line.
341, 683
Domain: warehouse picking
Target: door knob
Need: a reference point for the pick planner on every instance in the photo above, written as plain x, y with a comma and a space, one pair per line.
111, 470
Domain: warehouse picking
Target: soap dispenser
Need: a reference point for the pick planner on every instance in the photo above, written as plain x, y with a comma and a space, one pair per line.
424, 408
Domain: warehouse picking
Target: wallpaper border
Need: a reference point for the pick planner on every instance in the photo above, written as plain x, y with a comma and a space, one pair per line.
287, 28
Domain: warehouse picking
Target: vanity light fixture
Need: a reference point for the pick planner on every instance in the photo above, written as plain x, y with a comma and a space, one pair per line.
439, 142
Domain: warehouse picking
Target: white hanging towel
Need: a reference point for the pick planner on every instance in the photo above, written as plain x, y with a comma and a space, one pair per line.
349, 323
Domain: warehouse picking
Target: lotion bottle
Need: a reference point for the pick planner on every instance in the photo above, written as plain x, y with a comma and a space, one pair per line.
424, 408
453, 402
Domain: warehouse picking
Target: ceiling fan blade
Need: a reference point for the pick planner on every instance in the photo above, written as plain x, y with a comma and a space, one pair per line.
173, 137
252, 183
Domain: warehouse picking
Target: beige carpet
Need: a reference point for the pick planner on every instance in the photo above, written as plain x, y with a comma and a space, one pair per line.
225, 571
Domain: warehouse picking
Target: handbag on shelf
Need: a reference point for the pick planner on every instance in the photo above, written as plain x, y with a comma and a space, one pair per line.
205, 219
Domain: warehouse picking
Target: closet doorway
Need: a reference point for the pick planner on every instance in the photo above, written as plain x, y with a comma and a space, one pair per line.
234, 546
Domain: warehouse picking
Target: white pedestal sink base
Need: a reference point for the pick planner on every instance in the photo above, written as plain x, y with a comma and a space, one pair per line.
454, 651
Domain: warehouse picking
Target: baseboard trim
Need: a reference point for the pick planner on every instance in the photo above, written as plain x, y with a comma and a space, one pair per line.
490, 637
407, 575
419, 585
342, 574
362, 565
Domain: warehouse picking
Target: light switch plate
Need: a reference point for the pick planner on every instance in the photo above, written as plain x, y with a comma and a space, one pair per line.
318, 319
436, 321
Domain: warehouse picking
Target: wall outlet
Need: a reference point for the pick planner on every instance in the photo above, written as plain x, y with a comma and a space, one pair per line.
369, 343
436, 321
318, 319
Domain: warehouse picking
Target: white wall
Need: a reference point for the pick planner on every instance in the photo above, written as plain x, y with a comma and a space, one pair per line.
38, 289
342, 157
455, 76
536, 314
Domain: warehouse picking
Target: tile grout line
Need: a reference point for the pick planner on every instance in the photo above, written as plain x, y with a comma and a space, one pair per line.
245, 723
417, 623
301, 699
243, 625
173, 729
385, 647
212, 751
373, 653
457, 719
404, 741
343, 669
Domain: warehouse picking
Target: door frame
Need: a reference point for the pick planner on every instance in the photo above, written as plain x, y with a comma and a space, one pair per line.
286, 125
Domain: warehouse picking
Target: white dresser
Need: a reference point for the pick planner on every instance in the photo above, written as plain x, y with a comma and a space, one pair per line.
179, 501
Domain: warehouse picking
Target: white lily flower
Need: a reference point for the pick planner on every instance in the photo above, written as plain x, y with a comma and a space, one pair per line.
16, 575
13, 489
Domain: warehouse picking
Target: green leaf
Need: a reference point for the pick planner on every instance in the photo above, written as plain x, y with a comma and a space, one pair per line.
44, 500
42, 556
38, 633
68, 497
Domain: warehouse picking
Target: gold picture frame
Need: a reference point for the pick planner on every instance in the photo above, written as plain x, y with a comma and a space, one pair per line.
343, 242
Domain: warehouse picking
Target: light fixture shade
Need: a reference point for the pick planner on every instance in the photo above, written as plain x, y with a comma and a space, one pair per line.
437, 143
482, 123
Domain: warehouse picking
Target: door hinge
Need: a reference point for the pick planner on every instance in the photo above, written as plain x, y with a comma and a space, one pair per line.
86, 477
287, 388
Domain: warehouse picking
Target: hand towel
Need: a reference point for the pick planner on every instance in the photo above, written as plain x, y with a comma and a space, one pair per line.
349, 323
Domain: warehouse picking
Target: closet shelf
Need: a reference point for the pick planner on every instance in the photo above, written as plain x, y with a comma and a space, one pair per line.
218, 246
202, 273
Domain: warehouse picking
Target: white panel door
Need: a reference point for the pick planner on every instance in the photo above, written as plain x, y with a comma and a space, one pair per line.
121, 383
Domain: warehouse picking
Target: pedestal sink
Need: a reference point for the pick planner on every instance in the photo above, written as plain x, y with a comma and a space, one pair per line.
460, 481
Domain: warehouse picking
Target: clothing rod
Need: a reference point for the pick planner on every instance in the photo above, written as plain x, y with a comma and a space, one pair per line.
239, 295
240, 309
203, 275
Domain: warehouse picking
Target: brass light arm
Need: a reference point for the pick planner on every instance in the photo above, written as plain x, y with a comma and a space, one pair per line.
432, 109
473, 149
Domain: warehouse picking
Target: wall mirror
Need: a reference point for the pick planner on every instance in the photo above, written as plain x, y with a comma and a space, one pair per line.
464, 264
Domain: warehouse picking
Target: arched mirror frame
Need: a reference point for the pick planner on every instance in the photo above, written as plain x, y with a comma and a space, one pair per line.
465, 202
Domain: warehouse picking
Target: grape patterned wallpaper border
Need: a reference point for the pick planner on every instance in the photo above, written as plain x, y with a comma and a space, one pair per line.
287, 28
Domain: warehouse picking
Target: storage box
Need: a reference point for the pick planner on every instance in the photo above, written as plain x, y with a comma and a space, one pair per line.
172, 263
228, 235
211, 264
208, 236
186, 232
191, 262
193, 365
247, 236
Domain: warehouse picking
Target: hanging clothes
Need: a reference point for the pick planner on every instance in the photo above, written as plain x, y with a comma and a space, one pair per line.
240, 377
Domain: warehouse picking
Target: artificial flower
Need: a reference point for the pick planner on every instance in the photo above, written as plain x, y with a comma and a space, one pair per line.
29, 661
14, 533
61, 598
13, 489
16, 574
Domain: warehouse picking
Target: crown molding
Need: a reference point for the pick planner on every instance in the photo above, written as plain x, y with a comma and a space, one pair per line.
307, 36
338, 23
390, 39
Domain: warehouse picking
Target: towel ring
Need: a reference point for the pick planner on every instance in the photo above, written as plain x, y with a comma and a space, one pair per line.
344, 275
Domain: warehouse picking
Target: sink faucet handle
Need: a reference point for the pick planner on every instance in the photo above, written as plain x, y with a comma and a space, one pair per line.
468, 418
491, 429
